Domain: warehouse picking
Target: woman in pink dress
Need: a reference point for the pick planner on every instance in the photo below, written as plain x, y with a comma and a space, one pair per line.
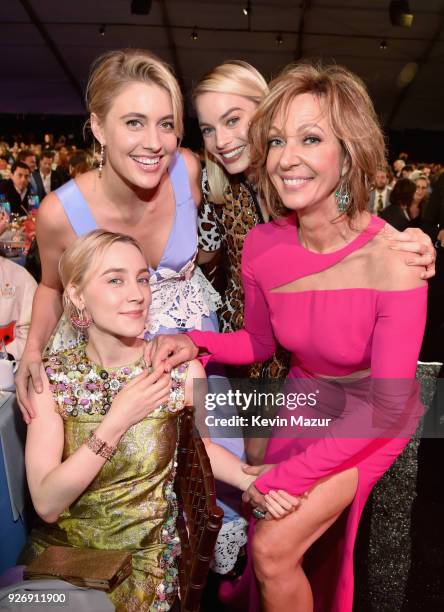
322, 281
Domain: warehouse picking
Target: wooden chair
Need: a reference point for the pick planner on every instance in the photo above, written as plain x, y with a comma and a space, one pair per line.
199, 519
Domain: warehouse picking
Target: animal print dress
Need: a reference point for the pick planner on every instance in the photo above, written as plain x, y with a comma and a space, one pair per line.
224, 227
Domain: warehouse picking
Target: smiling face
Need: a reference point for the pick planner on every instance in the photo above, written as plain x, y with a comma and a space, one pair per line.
117, 295
138, 132
305, 159
224, 121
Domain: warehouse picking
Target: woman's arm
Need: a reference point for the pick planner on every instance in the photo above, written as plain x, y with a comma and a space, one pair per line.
47, 304
255, 342
54, 484
391, 409
226, 466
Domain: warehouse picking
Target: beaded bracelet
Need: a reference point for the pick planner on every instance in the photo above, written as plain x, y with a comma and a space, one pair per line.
99, 447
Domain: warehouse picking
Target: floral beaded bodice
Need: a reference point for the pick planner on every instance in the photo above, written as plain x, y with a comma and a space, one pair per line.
80, 385
131, 504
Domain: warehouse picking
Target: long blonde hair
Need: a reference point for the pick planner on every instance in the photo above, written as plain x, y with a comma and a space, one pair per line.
351, 116
115, 69
238, 78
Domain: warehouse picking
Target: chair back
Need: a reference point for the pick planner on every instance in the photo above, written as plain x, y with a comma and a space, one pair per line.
199, 519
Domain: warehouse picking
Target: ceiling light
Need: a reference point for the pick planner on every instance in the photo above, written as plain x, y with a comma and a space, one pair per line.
383, 46
247, 9
279, 40
102, 30
400, 13
140, 7
194, 35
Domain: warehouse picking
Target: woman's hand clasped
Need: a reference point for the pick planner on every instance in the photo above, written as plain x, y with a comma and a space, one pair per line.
275, 504
141, 396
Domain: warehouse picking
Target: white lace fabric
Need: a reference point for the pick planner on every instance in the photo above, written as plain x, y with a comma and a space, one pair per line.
231, 538
180, 299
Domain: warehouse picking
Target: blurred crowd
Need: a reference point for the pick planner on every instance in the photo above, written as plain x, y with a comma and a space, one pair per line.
28, 172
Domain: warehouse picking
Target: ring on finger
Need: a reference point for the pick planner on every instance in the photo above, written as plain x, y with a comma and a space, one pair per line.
257, 513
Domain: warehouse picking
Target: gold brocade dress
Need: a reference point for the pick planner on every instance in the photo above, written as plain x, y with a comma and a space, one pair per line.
130, 505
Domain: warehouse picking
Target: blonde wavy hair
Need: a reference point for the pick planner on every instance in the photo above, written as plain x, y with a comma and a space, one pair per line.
112, 71
238, 78
352, 118
81, 259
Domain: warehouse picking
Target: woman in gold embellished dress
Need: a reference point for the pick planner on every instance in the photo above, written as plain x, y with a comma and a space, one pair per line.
108, 426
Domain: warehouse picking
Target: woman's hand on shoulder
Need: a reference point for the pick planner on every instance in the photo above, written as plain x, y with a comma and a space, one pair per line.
396, 271
170, 349
194, 168
418, 247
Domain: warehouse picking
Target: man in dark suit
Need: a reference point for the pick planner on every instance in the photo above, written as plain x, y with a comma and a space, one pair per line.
45, 178
380, 195
17, 189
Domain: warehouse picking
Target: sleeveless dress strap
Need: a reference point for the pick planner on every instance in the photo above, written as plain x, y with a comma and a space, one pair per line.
179, 179
76, 208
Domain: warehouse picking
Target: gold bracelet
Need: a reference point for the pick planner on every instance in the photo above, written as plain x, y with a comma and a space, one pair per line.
100, 447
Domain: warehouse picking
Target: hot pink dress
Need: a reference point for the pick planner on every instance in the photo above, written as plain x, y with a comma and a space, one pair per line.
330, 332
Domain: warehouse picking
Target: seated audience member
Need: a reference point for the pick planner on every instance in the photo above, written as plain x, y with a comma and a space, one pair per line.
45, 178
398, 165
5, 171
115, 420
17, 189
79, 164
28, 157
17, 288
61, 160
379, 196
400, 199
421, 194
407, 171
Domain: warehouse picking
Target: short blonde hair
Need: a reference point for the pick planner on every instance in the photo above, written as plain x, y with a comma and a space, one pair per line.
81, 259
351, 116
238, 78
115, 69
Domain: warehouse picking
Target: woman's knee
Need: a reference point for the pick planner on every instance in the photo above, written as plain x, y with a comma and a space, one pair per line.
273, 558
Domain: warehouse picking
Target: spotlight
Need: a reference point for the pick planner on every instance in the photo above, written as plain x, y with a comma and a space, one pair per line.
383, 46
247, 9
140, 7
194, 35
102, 30
279, 40
400, 13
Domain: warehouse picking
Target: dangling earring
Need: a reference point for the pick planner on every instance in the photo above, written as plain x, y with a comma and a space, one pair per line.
81, 320
102, 158
342, 197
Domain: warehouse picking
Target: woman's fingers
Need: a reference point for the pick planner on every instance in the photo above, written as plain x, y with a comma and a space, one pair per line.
274, 508
290, 499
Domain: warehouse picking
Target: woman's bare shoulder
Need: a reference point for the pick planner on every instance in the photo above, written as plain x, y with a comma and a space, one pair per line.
389, 269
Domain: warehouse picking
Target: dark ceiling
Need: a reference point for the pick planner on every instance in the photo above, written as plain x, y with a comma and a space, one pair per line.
47, 47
